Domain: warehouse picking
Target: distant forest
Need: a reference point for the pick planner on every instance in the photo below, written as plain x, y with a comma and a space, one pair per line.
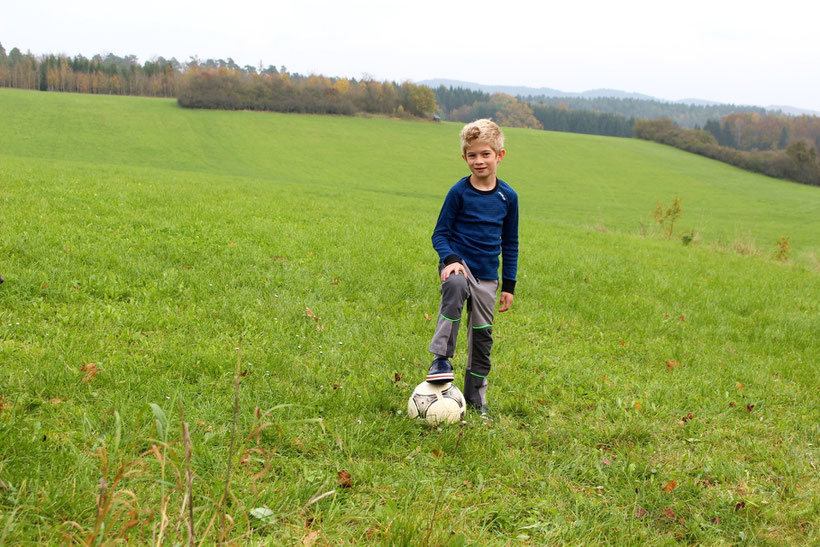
106, 75
685, 115
233, 89
214, 83
749, 137
464, 105
779, 147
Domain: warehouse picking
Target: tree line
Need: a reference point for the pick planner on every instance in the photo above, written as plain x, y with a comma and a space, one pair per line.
684, 114
279, 91
796, 161
464, 105
745, 131
109, 75
213, 83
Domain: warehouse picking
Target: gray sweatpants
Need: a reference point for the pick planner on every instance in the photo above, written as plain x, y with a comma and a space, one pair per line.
479, 294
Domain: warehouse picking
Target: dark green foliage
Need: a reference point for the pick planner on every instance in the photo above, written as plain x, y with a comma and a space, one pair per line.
685, 115
450, 98
784, 138
583, 121
464, 105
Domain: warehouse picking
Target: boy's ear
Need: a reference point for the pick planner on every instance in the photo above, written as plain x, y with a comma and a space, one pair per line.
501, 154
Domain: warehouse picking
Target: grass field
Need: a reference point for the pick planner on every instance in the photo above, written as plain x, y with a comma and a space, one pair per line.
644, 390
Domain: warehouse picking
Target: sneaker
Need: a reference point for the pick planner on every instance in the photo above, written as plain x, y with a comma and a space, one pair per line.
441, 372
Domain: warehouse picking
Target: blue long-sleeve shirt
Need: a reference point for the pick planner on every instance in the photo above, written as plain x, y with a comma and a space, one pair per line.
478, 225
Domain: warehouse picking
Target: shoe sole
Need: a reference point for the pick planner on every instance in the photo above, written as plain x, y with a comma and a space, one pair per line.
440, 378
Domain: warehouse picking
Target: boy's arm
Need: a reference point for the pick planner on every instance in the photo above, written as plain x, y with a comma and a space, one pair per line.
509, 255
444, 228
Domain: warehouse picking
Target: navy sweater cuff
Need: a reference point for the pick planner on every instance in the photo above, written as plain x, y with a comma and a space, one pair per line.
508, 285
451, 259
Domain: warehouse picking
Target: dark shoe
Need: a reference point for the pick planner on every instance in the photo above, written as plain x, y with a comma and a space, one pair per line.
441, 372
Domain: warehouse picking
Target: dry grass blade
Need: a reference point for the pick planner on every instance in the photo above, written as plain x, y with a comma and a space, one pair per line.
319, 497
223, 515
258, 432
189, 497
163, 519
102, 497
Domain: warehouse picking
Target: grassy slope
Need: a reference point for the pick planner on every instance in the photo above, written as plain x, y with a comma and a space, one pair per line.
146, 238
574, 179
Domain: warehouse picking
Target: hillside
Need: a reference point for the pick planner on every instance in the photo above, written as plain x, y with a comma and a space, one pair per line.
571, 179
211, 322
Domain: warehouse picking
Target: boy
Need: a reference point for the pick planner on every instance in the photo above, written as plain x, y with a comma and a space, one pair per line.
478, 221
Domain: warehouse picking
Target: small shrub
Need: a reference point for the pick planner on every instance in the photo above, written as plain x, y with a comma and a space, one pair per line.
783, 249
666, 217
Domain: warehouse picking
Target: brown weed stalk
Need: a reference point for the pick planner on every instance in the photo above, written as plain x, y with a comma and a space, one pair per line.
188, 501
224, 499
113, 504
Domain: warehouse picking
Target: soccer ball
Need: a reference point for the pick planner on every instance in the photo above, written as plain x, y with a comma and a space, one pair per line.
437, 403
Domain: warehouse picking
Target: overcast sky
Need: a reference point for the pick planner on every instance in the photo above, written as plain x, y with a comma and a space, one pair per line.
742, 52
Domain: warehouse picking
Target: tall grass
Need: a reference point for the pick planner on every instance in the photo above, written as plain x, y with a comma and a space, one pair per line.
645, 390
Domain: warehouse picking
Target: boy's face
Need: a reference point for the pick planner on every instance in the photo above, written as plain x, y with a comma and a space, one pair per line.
483, 162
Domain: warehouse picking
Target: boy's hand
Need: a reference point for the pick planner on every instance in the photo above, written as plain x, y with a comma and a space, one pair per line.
506, 301
455, 267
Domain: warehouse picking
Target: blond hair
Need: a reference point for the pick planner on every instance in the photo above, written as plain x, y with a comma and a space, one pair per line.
485, 131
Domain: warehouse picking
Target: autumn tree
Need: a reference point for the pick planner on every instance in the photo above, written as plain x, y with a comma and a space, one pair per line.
514, 113
417, 100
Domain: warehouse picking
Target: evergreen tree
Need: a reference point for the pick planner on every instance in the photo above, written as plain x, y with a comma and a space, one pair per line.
784, 138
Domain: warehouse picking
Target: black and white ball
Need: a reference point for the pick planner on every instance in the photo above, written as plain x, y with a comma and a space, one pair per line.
437, 403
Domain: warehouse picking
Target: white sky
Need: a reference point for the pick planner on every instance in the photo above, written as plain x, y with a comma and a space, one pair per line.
733, 51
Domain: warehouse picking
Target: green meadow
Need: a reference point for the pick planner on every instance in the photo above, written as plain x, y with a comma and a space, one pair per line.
211, 323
